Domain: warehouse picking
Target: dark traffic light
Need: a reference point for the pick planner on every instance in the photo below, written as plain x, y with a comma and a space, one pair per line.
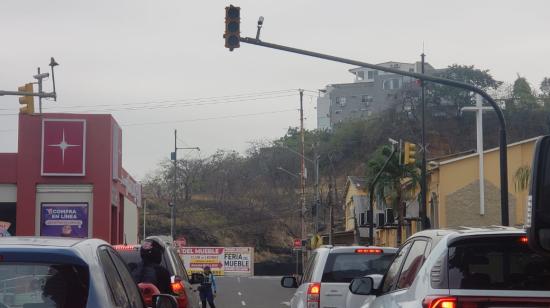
537, 220
232, 27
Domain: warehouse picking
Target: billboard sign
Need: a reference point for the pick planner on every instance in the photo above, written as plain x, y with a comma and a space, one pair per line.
63, 147
239, 260
64, 219
196, 258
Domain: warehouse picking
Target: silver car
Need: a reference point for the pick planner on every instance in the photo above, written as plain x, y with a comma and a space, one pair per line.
330, 270
64, 272
466, 267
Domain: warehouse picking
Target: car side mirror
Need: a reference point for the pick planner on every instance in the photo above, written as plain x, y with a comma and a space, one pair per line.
362, 286
289, 282
537, 219
196, 278
164, 301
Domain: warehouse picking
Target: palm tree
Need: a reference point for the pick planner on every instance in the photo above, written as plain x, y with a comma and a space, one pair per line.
522, 177
389, 186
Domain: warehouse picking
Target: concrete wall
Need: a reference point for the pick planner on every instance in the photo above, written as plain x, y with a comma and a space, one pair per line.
456, 184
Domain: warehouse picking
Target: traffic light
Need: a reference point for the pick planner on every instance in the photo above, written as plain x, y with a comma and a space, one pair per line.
232, 27
28, 101
409, 157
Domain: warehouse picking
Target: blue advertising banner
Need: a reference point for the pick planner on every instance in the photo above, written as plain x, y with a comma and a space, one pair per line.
64, 219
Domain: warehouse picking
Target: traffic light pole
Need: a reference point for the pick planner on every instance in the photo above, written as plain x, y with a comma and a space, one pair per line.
423, 78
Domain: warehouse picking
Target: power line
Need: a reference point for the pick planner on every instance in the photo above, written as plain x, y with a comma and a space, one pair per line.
162, 101
212, 118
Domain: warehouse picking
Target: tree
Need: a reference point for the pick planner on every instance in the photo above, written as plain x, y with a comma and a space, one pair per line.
440, 95
545, 91
390, 186
524, 97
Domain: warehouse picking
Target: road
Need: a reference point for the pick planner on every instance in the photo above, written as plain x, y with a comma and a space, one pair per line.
252, 292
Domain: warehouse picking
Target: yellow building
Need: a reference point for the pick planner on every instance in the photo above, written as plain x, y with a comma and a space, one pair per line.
356, 201
453, 184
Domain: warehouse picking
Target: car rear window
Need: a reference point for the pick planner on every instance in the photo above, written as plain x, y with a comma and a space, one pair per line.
344, 267
43, 285
132, 258
497, 263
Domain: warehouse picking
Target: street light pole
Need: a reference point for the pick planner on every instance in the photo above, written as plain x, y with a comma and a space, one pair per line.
423, 181
175, 192
422, 77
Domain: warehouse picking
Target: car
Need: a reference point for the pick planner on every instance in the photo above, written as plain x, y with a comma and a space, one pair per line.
462, 267
182, 288
329, 271
67, 272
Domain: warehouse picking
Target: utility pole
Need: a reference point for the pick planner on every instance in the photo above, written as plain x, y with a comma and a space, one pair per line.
175, 192
423, 181
317, 193
302, 165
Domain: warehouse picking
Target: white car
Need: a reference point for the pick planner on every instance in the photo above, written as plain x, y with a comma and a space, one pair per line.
463, 268
329, 271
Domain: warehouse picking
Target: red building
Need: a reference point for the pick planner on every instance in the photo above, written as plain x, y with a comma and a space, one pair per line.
66, 179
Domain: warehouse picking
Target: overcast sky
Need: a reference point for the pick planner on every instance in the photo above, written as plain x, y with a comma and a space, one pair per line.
161, 65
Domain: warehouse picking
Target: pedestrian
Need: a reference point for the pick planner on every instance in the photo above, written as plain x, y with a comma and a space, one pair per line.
149, 269
207, 289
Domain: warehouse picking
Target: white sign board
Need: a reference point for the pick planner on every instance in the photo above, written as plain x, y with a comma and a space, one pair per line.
239, 261
234, 261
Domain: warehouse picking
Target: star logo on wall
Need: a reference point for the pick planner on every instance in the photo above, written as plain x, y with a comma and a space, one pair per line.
63, 146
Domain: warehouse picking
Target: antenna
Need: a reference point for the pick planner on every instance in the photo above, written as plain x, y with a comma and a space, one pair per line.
52, 65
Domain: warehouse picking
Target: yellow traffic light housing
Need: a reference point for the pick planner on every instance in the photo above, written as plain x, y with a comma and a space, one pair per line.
409, 157
27, 100
232, 27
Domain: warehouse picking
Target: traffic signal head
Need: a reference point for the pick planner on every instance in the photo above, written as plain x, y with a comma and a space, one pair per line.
27, 101
232, 27
409, 157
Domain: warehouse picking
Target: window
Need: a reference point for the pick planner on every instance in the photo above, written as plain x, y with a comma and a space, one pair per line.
372, 74
337, 111
396, 83
341, 100
412, 265
411, 70
367, 99
393, 272
309, 268
497, 263
362, 220
127, 280
43, 285
118, 294
387, 84
343, 267
180, 268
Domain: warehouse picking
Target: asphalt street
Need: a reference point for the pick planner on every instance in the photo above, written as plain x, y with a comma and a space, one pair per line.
252, 292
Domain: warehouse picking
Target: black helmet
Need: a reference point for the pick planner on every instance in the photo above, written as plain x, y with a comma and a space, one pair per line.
151, 251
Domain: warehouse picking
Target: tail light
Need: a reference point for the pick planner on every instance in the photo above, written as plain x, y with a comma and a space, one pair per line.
369, 251
440, 302
314, 295
177, 286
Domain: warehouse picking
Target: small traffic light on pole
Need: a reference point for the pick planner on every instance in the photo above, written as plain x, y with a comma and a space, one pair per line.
409, 153
232, 27
27, 101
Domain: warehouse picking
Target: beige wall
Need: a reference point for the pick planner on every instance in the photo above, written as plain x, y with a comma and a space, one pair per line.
130, 222
456, 183
349, 207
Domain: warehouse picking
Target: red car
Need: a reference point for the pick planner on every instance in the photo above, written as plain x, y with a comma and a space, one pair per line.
186, 295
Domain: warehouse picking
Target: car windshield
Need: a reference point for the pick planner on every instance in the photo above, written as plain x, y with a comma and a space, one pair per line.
501, 263
344, 267
43, 285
